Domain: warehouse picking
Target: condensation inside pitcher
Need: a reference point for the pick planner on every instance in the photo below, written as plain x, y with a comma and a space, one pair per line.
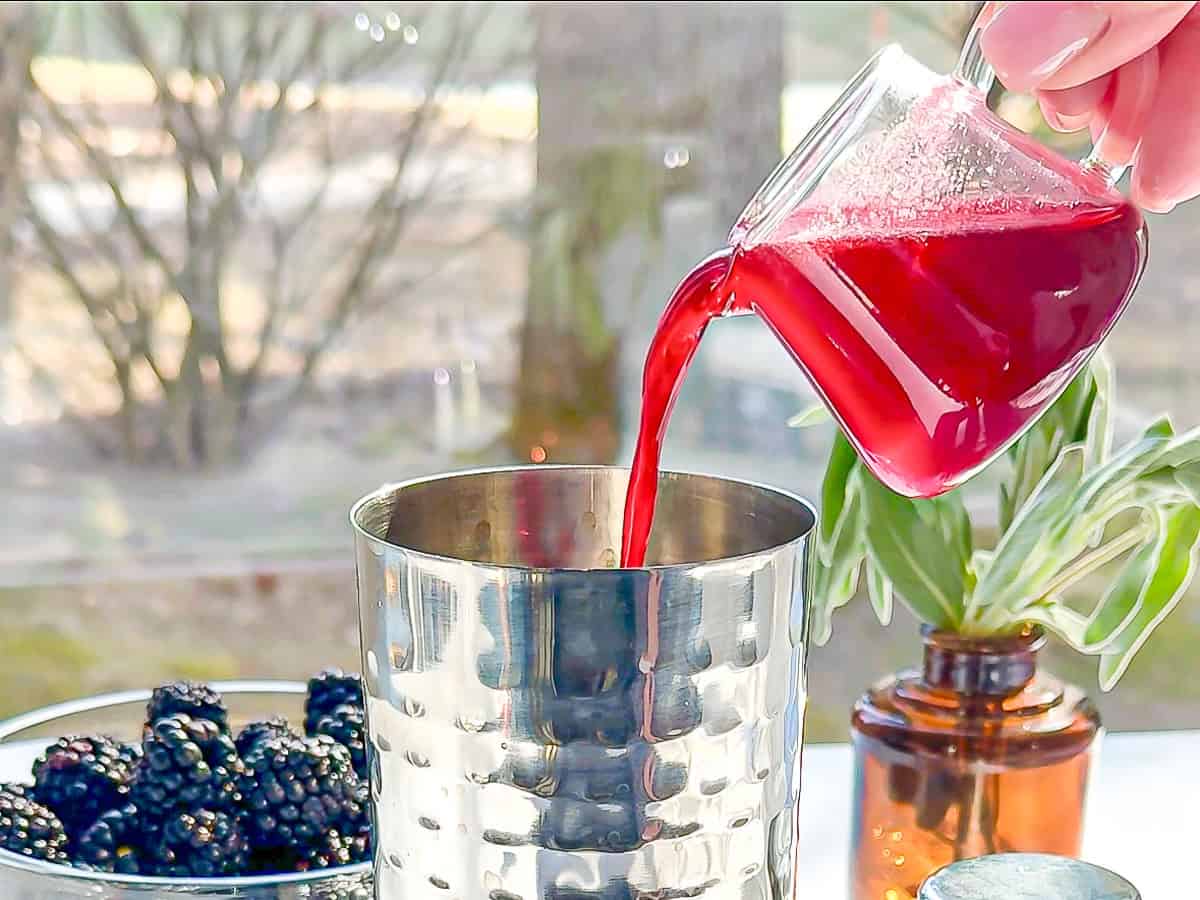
943, 157
938, 274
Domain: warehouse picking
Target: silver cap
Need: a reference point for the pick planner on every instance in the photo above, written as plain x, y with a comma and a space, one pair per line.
1025, 876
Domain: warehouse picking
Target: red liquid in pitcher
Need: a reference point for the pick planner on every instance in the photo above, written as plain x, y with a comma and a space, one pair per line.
934, 345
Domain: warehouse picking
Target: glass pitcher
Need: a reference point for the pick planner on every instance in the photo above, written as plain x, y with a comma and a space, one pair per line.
939, 275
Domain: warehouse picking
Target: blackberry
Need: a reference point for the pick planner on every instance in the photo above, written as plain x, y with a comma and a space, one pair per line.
359, 838
30, 829
189, 764
256, 732
347, 726
196, 700
357, 820
296, 789
120, 840
131, 754
355, 827
326, 692
201, 844
333, 849
80, 777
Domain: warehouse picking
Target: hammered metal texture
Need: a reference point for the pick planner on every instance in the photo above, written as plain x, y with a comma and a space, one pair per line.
582, 732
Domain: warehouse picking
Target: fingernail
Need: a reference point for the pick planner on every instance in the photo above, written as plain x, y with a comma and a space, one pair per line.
1148, 191
1054, 121
1073, 123
1028, 42
1159, 207
1148, 200
1061, 122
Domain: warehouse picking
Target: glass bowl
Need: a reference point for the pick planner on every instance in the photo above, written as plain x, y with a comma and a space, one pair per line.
121, 715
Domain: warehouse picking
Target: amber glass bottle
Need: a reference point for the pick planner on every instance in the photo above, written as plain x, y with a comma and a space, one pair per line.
976, 753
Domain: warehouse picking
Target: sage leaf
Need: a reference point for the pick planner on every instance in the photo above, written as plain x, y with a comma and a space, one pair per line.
1188, 479
1098, 423
1110, 480
807, 418
957, 525
1065, 512
914, 556
1007, 508
980, 561
1032, 462
835, 579
1030, 551
1160, 427
833, 596
1183, 452
1066, 422
879, 589
1059, 619
1125, 595
842, 461
1062, 519
948, 515
1176, 565
1074, 406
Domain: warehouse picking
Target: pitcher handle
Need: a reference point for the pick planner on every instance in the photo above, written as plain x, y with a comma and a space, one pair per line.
974, 69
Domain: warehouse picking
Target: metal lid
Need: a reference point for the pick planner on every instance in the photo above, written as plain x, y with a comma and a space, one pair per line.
1025, 876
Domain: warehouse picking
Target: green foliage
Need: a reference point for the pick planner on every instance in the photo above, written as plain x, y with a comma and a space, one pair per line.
1069, 505
913, 546
26, 652
841, 543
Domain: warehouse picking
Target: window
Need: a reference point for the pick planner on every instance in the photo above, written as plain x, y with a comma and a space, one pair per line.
260, 258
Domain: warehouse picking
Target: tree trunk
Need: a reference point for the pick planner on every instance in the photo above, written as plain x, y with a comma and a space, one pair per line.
746, 91
622, 87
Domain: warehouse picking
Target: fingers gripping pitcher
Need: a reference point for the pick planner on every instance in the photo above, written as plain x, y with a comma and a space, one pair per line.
939, 276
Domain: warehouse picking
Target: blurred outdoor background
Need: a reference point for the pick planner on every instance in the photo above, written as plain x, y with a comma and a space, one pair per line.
258, 258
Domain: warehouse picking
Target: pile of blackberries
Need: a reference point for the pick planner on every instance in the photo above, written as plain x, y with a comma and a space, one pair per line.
193, 800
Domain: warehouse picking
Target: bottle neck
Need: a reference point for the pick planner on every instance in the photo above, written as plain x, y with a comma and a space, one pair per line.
980, 667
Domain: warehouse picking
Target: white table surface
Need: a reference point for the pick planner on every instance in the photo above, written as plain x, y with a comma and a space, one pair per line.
1142, 819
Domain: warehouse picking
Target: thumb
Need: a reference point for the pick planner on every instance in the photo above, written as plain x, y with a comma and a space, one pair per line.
1168, 162
1045, 45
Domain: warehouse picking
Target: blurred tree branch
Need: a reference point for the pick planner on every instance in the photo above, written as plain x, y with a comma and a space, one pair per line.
247, 98
16, 50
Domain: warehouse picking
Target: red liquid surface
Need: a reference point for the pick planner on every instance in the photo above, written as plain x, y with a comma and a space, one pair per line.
933, 347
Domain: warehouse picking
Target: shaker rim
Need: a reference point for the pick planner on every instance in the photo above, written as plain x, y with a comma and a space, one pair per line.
807, 509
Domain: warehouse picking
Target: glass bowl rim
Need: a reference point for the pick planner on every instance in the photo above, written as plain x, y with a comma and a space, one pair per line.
45, 715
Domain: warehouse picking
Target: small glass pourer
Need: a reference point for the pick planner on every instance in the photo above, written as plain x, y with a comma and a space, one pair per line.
966, 271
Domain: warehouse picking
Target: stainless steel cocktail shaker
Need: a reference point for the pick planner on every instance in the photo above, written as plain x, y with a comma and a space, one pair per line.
545, 726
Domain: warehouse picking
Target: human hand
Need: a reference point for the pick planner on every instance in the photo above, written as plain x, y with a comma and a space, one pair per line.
1128, 71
